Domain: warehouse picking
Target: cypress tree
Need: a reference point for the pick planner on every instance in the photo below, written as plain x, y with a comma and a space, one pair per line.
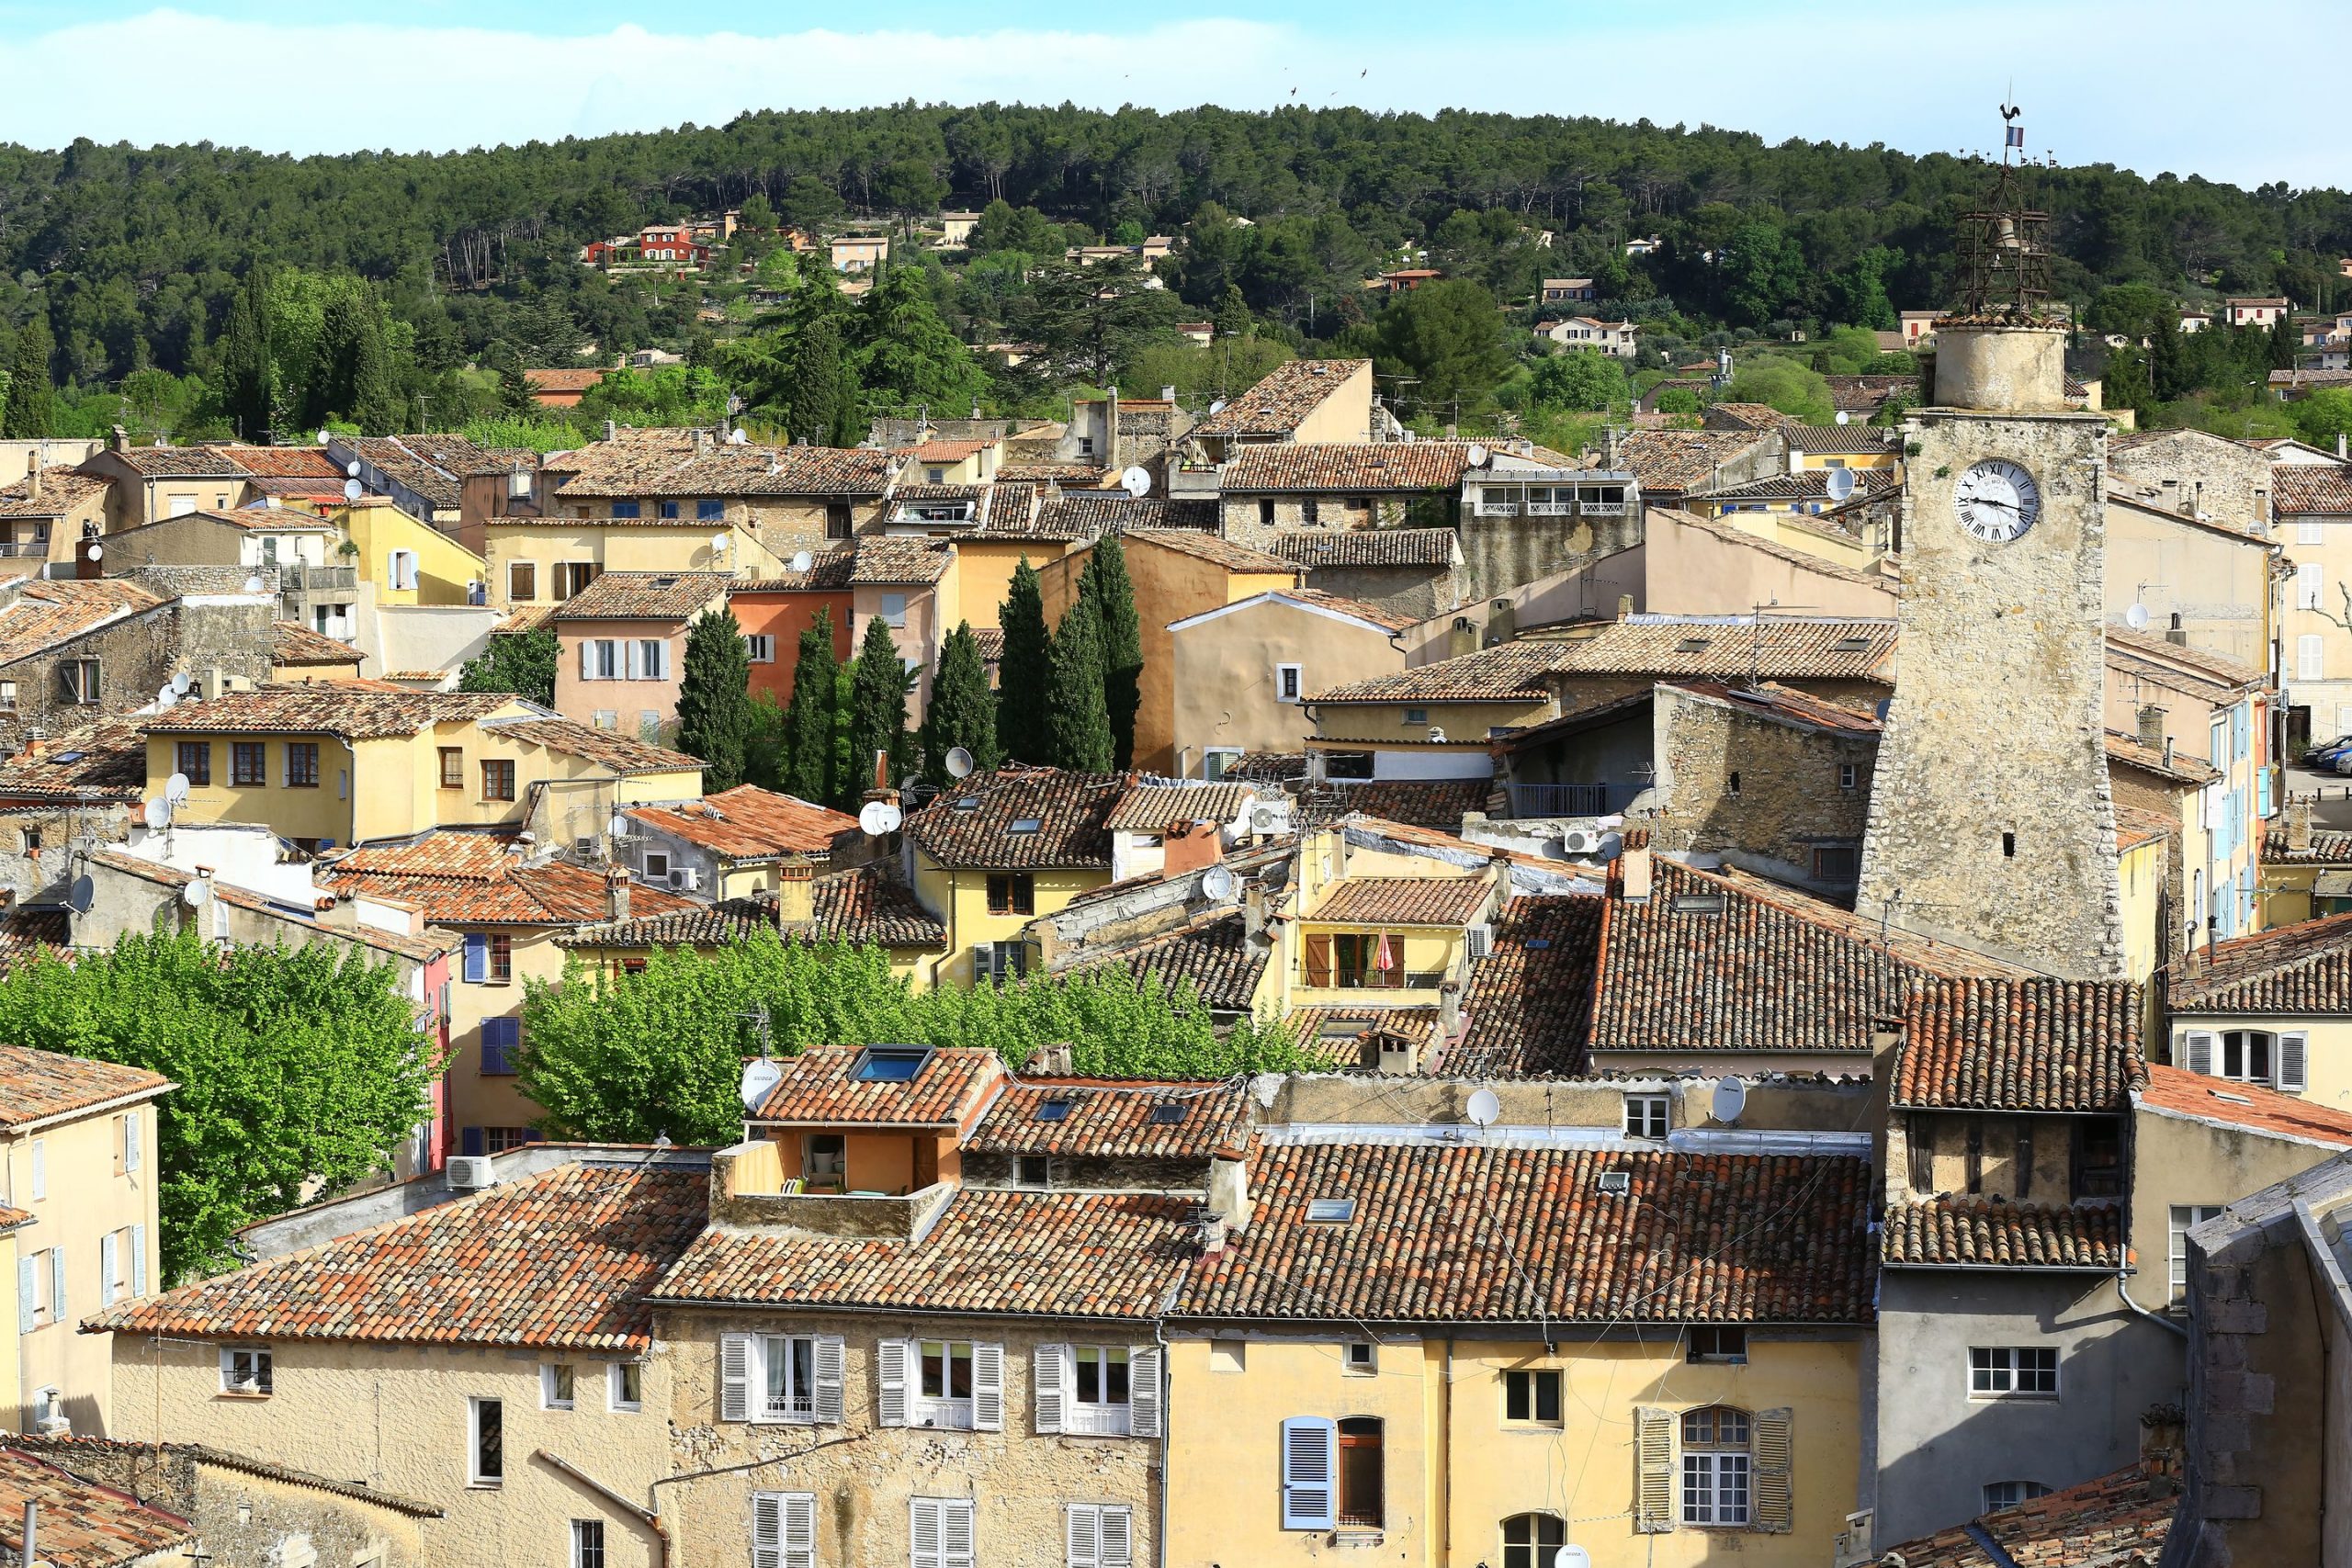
821, 390
1024, 671
715, 698
30, 412
878, 710
374, 390
1078, 725
962, 711
808, 721
1106, 586
342, 323
244, 359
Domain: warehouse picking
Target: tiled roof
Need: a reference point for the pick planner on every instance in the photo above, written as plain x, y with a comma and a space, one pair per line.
1068, 808
291, 642
1314, 547
1214, 955
2177, 1092
1867, 394
415, 949
1752, 416
2120, 1520
1668, 461
1220, 551
1984, 1233
828, 569
2218, 668
2327, 848
655, 469
2299, 489
858, 906
469, 890
1511, 673
1833, 439
2134, 827
1716, 962
107, 761
2178, 766
442, 852
1094, 1254
1336, 1032
1074, 475
887, 562
1279, 402
284, 462
644, 596
1813, 484
606, 748
1405, 900
1462, 1235
2038, 1045
2289, 970
1785, 703
817, 1088
1387, 619
1733, 647
47, 611
179, 462
559, 1259
990, 641
1086, 515
1114, 1120
562, 380
1353, 467
751, 823
1421, 803
81, 1523
37, 1085
688, 925
1147, 808
938, 449
62, 490
340, 708
1528, 1012
28, 932
866, 905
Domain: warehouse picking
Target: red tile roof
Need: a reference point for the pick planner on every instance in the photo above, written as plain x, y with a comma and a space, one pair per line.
1213, 955
653, 468
1405, 900
1218, 551
1355, 468
1068, 808
1513, 672
339, 708
2304, 969
1115, 1120
37, 1085
47, 611
1733, 647
2312, 490
828, 570
1462, 1235
2175, 1091
644, 596
1528, 1012
82, 1524
559, 1259
1435, 803
1313, 547
607, 748
2327, 848
1281, 402
62, 490
2120, 1520
178, 462
861, 906
97, 763
818, 1087
472, 879
292, 643
1147, 808
2038, 1045
562, 380
892, 562
1985, 1233
751, 823
1672, 461
284, 462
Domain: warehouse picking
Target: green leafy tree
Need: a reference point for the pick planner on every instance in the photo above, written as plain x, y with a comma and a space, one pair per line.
2324, 416
31, 408
877, 712
521, 663
1763, 274
1678, 399
1450, 336
962, 711
1783, 384
298, 1068
1077, 724
1092, 321
907, 356
715, 698
813, 717
1105, 586
1025, 672
246, 383
2126, 383
1857, 292
1583, 380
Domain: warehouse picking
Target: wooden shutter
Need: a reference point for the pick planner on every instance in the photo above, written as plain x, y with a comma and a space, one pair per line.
987, 1387
1774, 1452
2197, 1051
827, 1360
1653, 1469
1318, 959
800, 1530
107, 1253
130, 1141
1118, 1532
1049, 1377
1083, 1527
890, 1360
588, 659
477, 957
57, 1282
1144, 1390
1311, 1459
2292, 1050
922, 1528
955, 1544
767, 1526
138, 1259
738, 1357
28, 1293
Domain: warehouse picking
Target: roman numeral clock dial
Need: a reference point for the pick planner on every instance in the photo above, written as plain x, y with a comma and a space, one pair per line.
1996, 501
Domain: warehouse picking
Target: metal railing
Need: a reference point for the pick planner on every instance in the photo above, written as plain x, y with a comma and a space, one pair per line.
303, 578
1377, 981
1570, 799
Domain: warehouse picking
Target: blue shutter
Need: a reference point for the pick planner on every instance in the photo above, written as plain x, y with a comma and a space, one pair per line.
470, 1141
499, 1037
477, 957
1310, 1473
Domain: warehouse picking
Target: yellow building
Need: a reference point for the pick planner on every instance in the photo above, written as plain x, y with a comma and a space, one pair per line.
1230, 666
1000, 850
2267, 1009
408, 561
546, 560
297, 654
78, 1215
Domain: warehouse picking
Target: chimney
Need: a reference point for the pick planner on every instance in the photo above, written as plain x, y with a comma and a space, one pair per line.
796, 895
1253, 911
617, 893
1059, 1060
2298, 824
1625, 607
1229, 1202
1448, 1008
702, 442
2168, 750
612, 430
1634, 869
2341, 455
32, 477
117, 439
2160, 1431
2152, 728
2176, 633
1167, 394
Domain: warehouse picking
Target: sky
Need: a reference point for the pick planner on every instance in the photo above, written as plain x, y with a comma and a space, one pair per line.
2155, 86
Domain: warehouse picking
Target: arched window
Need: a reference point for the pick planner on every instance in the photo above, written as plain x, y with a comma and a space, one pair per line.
1532, 1541
1359, 1472
1715, 1466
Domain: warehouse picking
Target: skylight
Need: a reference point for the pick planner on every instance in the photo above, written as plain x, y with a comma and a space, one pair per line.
1168, 1115
890, 1064
1331, 1211
1027, 825
1693, 645
968, 802
1057, 1109
1698, 903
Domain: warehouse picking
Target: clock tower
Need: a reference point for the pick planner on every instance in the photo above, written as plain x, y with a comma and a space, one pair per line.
1991, 825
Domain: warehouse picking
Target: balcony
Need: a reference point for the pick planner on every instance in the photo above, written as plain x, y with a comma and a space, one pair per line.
750, 1192
1377, 981
303, 579
10, 548
1571, 799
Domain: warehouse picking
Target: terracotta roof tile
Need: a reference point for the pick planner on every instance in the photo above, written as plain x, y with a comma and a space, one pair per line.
443, 853
1355, 468
1462, 1234
864, 905
37, 1085
2179, 766
339, 708
820, 1086
28, 932
634, 468
1315, 598
1785, 704
1833, 439
1090, 514
1982, 1232
2179, 1092
1813, 484
1514, 672
2299, 490
1219, 552
1405, 900
606, 748
1429, 547
100, 761
1750, 416
2038, 1045
1213, 955
507, 893
47, 611
1437, 803
1867, 394
292, 643
1336, 1034
2118, 1520
828, 569
559, 379
1281, 402
1733, 647
1114, 1120
62, 490
284, 462
2218, 668
82, 1524
559, 1259
1674, 461
179, 462
1068, 810
1528, 1012
644, 596
2327, 848
891, 563
1147, 808
2289, 970
751, 823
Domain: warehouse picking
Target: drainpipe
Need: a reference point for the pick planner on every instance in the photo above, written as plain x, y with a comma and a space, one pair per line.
2123, 1292
1167, 1424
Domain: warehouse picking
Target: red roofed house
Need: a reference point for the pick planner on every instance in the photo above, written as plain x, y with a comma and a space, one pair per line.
736, 843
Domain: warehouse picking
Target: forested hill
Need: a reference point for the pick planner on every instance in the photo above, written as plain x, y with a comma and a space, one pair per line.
133, 254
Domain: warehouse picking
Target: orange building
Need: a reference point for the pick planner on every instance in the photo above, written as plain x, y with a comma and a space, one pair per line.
774, 610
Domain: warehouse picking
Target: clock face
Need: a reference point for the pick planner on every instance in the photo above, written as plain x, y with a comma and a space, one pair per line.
1997, 501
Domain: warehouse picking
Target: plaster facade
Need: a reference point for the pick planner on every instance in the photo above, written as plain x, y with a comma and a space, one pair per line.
1226, 667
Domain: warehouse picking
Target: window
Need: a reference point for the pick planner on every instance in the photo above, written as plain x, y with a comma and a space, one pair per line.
1533, 1397
1360, 1473
2185, 1217
497, 780
668, 509
1331, 1211
627, 509
2311, 586
1646, 1115
1732, 785
784, 1529
759, 648
194, 758
894, 611
80, 677
1711, 1342
587, 1544
400, 570
248, 762
710, 512
1849, 776
1014, 893
837, 520
2310, 531
41, 1279
302, 764
648, 660
1416, 716
521, 581
1265, 512
556, 1384
1840, 864
1310, 512
1288, 683
1310, 1460
1032, 1170
2310, 658
120, 1265
1099, 1402
825, 1159
890, 1064
1086, 445
657, 865
486, 1445
939, 1531
1999, 1495
498, 1140
126, 1142
624, 1386
574, 576
788, 1378
2013, 1372
2097, 1159
1532, 1541
41, 1168
245, 1371
502, 958
944, 1382
1716, 1464
1360, 1357
1099, 1535
8, 695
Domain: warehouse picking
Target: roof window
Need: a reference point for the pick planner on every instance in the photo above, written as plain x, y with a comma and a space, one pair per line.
1617, 1183
1027, 825
1538, 943
1698, 903
1331, 1211
1168, 1115
1056, 1109
1694, 645
1851, 645
968, 802
890, 1064
665, 582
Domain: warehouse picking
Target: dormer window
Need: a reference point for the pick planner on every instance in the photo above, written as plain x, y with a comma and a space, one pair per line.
890, 1064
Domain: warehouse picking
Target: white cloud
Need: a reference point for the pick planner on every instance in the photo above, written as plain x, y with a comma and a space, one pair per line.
1900, 76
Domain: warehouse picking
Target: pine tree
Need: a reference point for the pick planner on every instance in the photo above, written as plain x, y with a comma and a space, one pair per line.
1024, 670
962, 711
244, 359
877, 711
1106, 586
31, 412
1078, 725
715, 698
808, 722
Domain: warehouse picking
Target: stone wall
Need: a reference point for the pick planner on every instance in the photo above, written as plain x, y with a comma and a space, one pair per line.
1500, 554
1419, 591
2195, 470
136, 655
1790, 799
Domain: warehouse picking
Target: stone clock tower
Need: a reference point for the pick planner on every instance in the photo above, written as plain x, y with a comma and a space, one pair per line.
1991, 825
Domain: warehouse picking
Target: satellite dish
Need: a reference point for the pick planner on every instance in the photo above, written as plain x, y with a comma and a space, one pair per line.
176, 788
157, 813
1841, 483
196, 894
351, 468
1217, 406
1478, 455
1484, 1107
1843, 417
351, 489
1217, 883
718, 543
617, 826
254, 583
761, 1075
878, 817
2136, 617
736, 437
81, 895
959, 763
97, 552
166, 698
181, 682
323, 437
1730, 1099
1135, 482
802, 561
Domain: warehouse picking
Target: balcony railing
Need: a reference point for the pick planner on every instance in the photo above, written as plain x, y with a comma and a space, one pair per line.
1378, 980
303, 579
13, 547
1571, 799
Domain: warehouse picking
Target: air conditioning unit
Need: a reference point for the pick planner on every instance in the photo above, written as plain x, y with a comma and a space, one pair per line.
1580, 841
1481, 939
584, 847
471, 1173
686, 876
1270, 818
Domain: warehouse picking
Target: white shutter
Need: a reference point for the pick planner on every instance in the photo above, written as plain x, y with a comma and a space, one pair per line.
57, 1281
1144, 1392
1050, 1377
657, 655
922, 1528
955, 1544
138, 1260
1652, 1471
1775, 1456
1084, 1530
588, 659
2197, 1051
106, 1255
2291, 1052
988, 1388
628, 659
767, 1529
27, 1293
828, 1361
130, 1141
737, 1358
1310, 1461
1118, 1534
800, 1530
890, 1360
2310, 585
2311, 657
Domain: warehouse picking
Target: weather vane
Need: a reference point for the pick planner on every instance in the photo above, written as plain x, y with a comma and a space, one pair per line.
2003, 256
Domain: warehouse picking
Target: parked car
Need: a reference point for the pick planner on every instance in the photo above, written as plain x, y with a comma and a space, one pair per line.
2325, 754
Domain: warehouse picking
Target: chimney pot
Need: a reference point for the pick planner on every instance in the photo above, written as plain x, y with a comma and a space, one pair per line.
2152, 726
616, 886
612, 430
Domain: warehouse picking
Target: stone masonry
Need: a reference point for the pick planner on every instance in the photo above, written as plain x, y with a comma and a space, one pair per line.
1760, 789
